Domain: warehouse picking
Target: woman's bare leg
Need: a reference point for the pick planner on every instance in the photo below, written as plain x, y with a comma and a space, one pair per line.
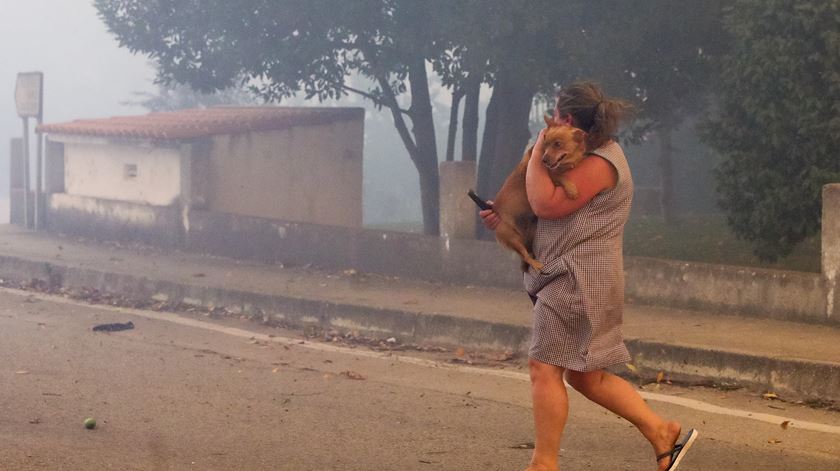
551, 408
618, 396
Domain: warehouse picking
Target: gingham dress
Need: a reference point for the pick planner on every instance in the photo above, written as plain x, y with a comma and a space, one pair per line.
580, 292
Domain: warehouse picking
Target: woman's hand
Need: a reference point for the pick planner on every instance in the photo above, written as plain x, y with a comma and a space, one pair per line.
490, 218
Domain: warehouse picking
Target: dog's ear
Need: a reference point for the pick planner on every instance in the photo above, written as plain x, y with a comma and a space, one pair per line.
578, 135
549, 120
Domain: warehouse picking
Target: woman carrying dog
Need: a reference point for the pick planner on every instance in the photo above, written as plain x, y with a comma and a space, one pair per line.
579, 295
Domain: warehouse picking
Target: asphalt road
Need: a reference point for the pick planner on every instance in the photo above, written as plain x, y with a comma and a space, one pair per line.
180, 393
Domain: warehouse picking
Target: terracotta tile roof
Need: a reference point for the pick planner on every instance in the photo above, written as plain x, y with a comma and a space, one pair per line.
193, 123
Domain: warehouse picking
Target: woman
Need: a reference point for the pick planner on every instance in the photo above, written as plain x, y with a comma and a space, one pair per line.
579, 295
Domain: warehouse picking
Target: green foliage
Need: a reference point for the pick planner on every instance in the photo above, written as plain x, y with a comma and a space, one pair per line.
319, 48
778, 124
707, 238
282, 47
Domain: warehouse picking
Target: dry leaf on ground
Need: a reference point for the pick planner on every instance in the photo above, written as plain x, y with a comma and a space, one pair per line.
352, 375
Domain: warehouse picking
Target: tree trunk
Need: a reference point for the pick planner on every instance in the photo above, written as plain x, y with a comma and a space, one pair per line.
469, 137
425, 156
666, 172
457, 94
506, 133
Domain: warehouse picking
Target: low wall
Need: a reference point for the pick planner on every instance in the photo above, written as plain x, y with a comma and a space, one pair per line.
390, 253
727, 289
730, 289
100, 219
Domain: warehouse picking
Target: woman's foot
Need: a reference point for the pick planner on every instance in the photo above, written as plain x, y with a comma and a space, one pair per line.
664, 441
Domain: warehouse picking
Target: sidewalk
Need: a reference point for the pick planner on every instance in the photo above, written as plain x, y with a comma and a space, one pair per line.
793, 359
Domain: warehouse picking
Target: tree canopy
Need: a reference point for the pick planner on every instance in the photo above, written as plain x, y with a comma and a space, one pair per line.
318, 49
778, 122
286, 47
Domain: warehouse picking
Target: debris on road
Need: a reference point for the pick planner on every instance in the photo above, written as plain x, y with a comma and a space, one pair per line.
524, 446
90, 423
115, 327
352, 375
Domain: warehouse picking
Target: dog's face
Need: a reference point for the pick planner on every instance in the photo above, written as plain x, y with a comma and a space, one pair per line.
564, 146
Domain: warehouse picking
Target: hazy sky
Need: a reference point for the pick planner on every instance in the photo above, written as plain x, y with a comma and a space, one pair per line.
86, 73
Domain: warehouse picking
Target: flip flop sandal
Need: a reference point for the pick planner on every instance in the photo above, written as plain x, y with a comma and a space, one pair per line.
680, 449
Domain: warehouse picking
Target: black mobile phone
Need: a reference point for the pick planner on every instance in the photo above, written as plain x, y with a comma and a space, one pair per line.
481, 203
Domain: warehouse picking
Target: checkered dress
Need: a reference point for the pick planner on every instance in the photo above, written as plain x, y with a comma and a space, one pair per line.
580, 292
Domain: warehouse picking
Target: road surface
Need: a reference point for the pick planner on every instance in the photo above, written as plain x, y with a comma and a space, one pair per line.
180, 392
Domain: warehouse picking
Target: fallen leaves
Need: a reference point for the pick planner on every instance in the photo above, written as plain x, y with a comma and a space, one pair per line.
352, 375
770, 396
506, 355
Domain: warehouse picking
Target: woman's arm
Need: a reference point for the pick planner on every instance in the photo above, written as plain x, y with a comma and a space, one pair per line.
592, 175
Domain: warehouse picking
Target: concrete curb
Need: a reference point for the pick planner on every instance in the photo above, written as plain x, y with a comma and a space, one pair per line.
789, 378
277, 309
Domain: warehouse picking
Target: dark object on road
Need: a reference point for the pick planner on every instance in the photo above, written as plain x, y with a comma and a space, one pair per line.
116, 327
524, 446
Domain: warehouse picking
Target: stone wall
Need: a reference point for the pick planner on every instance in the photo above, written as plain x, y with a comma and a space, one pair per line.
728, 289
809, 297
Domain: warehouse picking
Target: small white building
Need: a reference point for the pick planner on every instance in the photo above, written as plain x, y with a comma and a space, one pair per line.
146, 173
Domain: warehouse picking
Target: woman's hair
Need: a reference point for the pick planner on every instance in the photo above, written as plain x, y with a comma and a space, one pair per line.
592, 111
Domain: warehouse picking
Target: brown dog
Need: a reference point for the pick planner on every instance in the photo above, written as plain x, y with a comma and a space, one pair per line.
564, 148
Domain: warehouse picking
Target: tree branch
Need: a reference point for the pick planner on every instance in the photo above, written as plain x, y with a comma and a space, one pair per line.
397, 113
373, 98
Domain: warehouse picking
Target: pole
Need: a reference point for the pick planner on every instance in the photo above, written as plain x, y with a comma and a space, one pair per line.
26, 172
39, 171
39, 161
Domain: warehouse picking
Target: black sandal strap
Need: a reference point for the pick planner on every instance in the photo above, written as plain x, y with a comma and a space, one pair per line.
671, 453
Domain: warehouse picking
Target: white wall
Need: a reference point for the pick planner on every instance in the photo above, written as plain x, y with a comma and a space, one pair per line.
98, 170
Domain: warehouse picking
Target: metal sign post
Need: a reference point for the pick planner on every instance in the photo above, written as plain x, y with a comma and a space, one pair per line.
29, 99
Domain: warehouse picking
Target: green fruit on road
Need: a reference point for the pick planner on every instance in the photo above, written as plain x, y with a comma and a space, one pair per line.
90, 423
